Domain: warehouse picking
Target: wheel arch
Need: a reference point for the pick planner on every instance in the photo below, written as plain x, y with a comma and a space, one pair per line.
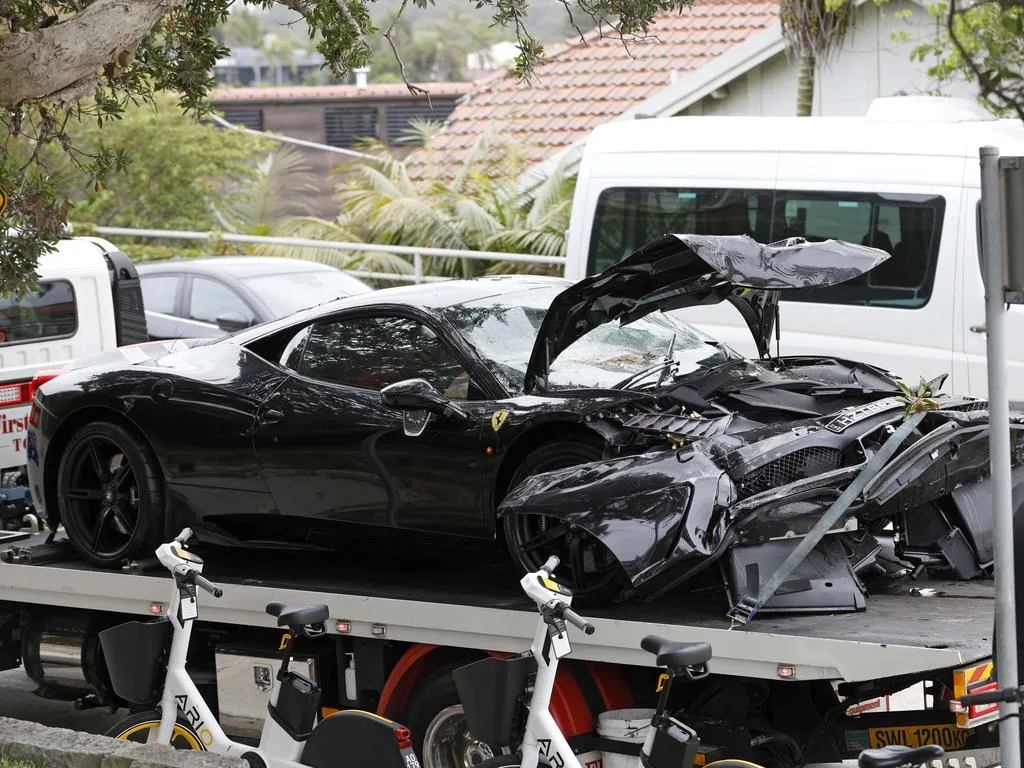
528, 442
67, 429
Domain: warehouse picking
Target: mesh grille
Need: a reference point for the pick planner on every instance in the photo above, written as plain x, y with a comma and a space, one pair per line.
131, 324
977, 405
806, 462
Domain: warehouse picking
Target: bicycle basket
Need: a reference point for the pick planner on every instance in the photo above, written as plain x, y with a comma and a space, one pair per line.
489, 690
134, 652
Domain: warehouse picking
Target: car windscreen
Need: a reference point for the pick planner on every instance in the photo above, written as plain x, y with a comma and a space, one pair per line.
503, 330
289, 292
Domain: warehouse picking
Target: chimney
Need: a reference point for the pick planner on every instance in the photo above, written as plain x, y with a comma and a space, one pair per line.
361, 74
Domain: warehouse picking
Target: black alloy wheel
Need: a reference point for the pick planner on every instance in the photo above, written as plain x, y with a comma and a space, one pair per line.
586, 565
110, 494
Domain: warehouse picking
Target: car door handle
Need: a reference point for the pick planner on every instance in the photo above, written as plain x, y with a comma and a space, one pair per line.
271, 417
978, 329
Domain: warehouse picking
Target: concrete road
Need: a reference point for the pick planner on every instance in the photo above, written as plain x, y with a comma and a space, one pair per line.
18, 700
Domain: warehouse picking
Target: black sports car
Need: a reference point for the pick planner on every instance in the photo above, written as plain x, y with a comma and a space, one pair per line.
591, 417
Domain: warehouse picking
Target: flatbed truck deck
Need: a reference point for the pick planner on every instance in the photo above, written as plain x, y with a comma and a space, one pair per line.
913, 630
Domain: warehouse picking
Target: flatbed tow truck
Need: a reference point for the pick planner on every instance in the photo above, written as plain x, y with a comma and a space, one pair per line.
811, 683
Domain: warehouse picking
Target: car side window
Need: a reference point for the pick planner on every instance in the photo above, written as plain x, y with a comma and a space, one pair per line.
372, 352
160, 293
211, 299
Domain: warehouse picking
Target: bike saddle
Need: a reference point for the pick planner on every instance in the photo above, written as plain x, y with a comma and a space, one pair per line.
298, 615
897, 755
672, 654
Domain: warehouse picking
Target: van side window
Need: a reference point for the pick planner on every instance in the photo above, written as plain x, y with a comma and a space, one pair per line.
908, 227
48, 313
627, 218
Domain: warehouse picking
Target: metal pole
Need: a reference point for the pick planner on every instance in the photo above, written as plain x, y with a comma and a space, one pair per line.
999, 448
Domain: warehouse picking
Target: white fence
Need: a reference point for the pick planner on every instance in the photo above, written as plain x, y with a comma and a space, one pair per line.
417, 253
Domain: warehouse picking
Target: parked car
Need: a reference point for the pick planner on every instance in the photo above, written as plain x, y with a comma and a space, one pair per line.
417, 411
208, 297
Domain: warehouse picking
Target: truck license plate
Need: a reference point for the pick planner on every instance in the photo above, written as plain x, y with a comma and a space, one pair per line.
946, 736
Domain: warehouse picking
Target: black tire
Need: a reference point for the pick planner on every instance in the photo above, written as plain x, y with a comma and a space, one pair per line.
138, 727
433, 709
110, 494
597, 585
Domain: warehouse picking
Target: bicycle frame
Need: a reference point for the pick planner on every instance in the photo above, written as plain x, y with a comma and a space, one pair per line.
543, 738
276, 747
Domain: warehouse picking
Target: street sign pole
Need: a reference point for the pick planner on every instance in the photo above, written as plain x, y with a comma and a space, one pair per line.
995, 271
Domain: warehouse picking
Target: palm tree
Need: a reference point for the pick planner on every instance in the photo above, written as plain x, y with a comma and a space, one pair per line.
280, 189
479, 209
813, 30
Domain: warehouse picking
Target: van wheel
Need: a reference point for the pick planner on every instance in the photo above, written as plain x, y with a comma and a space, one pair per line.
110, 494
438, 724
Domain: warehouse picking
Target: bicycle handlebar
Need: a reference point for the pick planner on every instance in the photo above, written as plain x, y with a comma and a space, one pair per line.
205, 583
989, 697
184, 536
577, 621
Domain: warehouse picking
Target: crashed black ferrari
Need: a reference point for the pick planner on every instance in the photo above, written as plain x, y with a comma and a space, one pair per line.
728, 468
586, 420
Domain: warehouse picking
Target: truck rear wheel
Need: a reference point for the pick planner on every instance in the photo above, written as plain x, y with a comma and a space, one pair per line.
143, 727
438, 724
110, 494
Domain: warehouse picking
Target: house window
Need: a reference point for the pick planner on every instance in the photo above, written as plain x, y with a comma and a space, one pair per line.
399, 117
908, 227
247, 117
345, 126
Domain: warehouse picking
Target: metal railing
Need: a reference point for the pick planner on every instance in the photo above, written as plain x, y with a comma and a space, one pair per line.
417, 253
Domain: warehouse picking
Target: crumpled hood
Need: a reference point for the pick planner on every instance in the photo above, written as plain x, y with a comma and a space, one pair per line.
677, 271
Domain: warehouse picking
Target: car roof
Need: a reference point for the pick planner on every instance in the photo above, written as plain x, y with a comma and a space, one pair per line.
433, 295
450, 292
234, 266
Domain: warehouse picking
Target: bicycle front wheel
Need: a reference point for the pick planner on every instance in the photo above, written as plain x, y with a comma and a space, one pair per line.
143, 728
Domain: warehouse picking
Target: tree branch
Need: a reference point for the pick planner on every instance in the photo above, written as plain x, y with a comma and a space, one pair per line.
63, 61
413, 89
988, 88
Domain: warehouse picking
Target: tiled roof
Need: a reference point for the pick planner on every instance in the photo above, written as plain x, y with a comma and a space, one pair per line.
333, 92
582, 86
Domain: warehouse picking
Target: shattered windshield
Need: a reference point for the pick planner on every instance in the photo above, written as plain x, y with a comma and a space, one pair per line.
503, 330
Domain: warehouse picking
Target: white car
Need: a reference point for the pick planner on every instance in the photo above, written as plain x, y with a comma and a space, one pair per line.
189, 298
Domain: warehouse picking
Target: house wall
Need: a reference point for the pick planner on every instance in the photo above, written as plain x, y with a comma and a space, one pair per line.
869, 64
305, 119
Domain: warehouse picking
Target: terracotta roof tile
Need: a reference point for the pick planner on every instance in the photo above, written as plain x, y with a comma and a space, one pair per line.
582, 86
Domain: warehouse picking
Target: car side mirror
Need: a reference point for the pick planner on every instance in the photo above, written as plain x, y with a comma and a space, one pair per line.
418, 398
232, 321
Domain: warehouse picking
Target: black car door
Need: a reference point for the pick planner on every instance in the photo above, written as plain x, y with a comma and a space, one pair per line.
329, 450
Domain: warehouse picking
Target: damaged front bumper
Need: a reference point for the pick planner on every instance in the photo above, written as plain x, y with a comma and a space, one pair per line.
667, 515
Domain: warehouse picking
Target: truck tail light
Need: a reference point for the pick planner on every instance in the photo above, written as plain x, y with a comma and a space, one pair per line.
15, 393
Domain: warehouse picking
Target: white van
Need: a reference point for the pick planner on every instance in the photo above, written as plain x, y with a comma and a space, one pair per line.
904, 178
88, 300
